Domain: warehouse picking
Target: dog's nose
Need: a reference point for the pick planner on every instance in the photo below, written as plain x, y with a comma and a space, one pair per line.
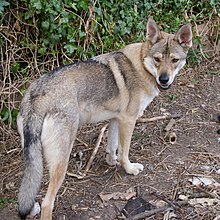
164, 78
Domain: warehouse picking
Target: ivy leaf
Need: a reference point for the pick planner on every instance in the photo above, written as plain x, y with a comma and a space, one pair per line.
28, 14
74, 6
37, 4
45, 25
3, 4
70, 48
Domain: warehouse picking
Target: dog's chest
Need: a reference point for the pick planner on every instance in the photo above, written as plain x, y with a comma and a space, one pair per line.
145, 100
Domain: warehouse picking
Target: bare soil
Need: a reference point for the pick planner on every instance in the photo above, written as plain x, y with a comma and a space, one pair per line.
168, 168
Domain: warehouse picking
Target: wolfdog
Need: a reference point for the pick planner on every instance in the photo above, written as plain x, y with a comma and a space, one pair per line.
116, 86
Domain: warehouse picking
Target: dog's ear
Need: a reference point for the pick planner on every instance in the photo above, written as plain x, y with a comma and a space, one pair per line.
184, 36
153, 32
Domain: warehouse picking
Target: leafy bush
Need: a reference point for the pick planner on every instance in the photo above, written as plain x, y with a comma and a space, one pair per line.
38, 35
84, 28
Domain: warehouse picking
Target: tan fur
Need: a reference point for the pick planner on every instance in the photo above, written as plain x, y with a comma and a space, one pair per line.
117, 86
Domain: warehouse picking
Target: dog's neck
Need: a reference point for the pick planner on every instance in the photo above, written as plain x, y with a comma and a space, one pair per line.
140, 48
148, 76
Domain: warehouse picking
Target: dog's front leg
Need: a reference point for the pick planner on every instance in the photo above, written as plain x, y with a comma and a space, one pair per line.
112, 143
126, 127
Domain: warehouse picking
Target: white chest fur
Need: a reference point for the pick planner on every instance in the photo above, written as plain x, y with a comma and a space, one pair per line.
145, 100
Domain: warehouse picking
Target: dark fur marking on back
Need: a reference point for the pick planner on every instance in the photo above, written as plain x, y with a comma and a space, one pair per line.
41, 90
112, 87
120, 57
126, 68
105, 80
60, 69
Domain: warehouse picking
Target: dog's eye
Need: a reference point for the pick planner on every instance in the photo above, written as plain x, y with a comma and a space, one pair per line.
156, 59
175, 60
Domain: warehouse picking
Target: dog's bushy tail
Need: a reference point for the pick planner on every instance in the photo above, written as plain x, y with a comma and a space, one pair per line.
33, 164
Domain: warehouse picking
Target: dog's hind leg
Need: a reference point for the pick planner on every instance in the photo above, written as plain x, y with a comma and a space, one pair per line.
112, 143
57, 140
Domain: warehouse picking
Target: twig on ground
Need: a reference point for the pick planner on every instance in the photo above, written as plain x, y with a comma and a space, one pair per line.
175, 191
170, 124
162, 117
95, 150
12, 150
82, 142
162, 197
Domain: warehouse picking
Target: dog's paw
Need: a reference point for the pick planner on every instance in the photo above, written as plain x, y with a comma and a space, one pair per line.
133, 168
111, 160
35, 210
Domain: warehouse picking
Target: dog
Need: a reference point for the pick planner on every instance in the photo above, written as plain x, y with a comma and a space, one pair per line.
116, 86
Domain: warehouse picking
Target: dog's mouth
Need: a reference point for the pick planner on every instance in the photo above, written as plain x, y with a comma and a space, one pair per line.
163, 88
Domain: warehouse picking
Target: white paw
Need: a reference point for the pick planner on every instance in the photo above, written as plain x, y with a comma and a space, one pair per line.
111, 160
35, 210
133, 168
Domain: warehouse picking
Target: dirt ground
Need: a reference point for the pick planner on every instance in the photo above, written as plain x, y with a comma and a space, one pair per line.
187, 170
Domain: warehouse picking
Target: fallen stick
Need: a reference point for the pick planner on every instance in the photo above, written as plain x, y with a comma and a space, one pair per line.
82, 142
162, 197
95, 150
162, 117
170, 124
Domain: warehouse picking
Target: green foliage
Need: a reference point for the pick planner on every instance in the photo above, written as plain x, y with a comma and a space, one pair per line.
3, 4
4, 201
84, 28
9, 115
171, 96
136, 136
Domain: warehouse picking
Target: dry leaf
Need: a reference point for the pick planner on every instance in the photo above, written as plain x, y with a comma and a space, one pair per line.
204, 201
205, 181
118, 195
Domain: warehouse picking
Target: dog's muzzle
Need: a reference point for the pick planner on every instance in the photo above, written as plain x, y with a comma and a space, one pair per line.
163, 82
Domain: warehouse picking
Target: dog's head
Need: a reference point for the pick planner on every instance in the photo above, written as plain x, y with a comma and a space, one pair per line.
166, 53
